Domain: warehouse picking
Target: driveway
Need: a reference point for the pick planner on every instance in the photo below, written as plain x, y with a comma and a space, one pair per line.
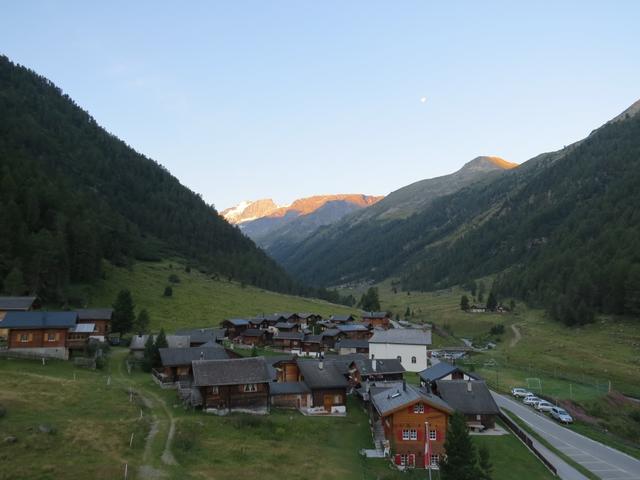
604, 462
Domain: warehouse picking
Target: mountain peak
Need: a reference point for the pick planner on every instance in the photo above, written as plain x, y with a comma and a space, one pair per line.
632, 111
487, 162
249, 210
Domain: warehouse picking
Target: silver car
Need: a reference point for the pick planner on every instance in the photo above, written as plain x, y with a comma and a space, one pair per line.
561, 415
543, 406
520, 392
531, 400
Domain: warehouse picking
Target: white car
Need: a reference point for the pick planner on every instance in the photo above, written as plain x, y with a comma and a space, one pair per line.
531, 400
561, 415
520, 392
543, 406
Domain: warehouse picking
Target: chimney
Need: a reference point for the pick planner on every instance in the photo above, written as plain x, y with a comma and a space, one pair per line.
374, 364
469, 386
201, 355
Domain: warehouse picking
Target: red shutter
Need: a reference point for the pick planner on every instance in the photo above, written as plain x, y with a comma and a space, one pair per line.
398, 460
412, 460
410, 409
420, 435
400, 434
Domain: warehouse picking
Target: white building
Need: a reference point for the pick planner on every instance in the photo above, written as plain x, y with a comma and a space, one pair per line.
408, 345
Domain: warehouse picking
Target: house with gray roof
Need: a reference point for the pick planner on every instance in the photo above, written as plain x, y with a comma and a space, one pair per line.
237, 384
375, 370
200, 336
443, 371
38, 333
328, 386
100, 317
176, 362
472, 398
408, 345
136, 346
347, 346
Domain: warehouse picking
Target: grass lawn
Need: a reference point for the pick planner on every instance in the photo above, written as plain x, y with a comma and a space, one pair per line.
92, 423
197, 300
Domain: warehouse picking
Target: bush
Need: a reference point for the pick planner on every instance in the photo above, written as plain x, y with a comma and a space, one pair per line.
173, 278
497, 330
3, 411
168, 291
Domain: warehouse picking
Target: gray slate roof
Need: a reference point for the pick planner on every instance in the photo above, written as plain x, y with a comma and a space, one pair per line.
253, 332
289, 336
342, 318
478, 401
383, 366
405, 336
288, 388
234, 371
16, 303
285, 325
331, 332
37, 320
238, 322
202, 335
349, 343
392, 399
95, 313
374, 315
173, 357
174, 341
352, 327
313, 338
438, 371
328, 376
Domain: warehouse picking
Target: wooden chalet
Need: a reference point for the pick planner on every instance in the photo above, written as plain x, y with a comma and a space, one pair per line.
347, 346
290, 395
327, 384
287, 327
176, 362
312, 344
342, 319
443, 371
39, 334
377, 320
136, 346
235, 326
288, 340
254, 336
354, 331
14, 304
309, 319
330, 337
100, 317
473, 399
413, 424
375, 370
79, 335
239, 384
284, 368
201, 336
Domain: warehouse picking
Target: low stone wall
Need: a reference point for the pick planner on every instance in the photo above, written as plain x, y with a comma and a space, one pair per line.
60, 353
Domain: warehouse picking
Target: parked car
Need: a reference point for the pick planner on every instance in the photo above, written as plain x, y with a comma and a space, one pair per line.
520, 392
531, 400
561, 415
543, 406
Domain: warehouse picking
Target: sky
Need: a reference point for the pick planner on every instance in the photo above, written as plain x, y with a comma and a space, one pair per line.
282, 99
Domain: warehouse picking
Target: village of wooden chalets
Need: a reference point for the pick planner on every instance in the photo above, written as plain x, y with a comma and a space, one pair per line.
319, 367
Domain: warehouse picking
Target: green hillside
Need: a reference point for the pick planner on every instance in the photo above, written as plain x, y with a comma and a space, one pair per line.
73, 194
197, 300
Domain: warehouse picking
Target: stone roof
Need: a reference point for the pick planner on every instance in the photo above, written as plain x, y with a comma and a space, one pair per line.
173, 357
468, 396
95, 313
234, 371
253, 332
374, 315
352, 327
383, 366
349, 343
320, 374
288, 388
438, 371
404, 336
390, 400
16, 303
289, 336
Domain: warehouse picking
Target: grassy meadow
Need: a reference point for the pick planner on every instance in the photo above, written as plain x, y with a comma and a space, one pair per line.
197, 299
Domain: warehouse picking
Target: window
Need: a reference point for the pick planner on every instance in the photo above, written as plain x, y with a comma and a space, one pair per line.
413, 433
433, 434
406, 435
418, 408
337, 399
478, 417
251, 387
399, 358
51, 337
24, 338
214, 390
435, 460
404, 459
414, 360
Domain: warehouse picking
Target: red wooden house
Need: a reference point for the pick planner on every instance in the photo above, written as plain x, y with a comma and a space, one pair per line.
100, 317
414, 424
377, 320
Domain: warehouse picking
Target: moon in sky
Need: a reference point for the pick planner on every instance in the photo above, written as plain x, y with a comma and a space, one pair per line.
423, 99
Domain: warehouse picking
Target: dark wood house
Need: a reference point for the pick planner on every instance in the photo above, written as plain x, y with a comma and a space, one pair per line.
355, 331
377, 320
100, 317
176, 362
287, 327
312, 344
239, 384
288, 340
327, 384
342, 319
235, 326
15, 304
254, 336
330, 337
375, 370
472, 398
347, 346
201, 336
443, 371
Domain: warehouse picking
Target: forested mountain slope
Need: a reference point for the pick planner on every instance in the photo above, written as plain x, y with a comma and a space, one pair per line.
564, 226
72, 194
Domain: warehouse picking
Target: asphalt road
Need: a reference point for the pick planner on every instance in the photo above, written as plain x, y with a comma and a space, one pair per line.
604, 462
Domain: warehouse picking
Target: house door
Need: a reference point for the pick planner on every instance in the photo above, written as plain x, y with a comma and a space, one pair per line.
328, 402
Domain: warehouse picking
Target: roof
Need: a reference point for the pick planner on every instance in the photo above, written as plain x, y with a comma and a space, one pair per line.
286, 315
174, 341
237, 322
83, 328
16, 303
305, 315
349, 343
234, 371
331, 332
341, 318
37, 320
328, 376
477, 401
172, 357
285, 325
202, 335
438, 371
289, 336
253, 332
288, 388
375, 315
95, 314
388, 366
406, 336
352, 327
269, 318
313, 339
390, 400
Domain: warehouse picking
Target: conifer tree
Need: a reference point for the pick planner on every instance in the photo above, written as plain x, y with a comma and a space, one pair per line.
461, 461
123, 312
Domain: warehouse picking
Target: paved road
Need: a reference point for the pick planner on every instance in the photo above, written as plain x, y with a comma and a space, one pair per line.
605, 462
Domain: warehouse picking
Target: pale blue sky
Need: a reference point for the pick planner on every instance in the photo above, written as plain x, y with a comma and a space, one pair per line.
251, 99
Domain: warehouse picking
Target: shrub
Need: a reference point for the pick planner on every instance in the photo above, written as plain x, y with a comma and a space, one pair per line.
173, 278
3, 411
168, 291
